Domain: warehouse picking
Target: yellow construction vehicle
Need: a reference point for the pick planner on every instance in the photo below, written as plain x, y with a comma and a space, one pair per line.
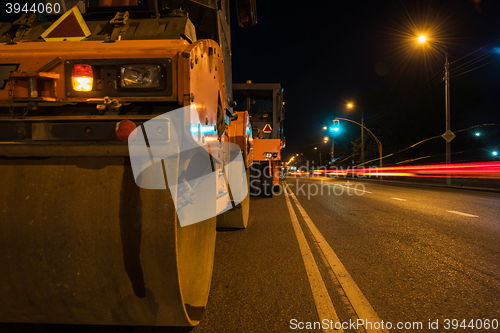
264, 102
80, 241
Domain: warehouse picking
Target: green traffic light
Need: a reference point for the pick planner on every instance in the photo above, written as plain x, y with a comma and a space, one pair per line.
335, 126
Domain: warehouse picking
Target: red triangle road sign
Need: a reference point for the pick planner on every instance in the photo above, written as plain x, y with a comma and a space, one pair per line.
267, 129
71, 27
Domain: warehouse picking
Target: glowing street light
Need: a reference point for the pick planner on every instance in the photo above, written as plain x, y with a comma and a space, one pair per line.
423, 39
316, 148
477, 134
495, 153
350, 105
325, 128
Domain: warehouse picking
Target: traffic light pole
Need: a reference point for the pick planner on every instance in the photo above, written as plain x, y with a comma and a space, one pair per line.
332, 158
379, 144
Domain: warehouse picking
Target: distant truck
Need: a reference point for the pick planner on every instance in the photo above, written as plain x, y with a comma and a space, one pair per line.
264, 102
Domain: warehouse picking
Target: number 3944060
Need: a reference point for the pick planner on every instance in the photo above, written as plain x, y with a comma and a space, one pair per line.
34, 8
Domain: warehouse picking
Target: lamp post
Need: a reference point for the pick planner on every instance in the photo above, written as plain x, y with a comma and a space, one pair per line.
350, 105
379, 144
332, 147
316, 148
448, 135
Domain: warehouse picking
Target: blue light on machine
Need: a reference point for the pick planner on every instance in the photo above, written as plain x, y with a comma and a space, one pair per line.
495, 153
336, 129
477, 134
203, 129
201, 132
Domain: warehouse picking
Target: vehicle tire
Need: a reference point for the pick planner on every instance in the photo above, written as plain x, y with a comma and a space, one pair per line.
255, 179
266, 180
237, 217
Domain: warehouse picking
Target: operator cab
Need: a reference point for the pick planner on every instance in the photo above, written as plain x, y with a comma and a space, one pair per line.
264, 102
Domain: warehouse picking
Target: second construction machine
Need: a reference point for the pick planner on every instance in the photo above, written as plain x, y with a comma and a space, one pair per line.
264, 103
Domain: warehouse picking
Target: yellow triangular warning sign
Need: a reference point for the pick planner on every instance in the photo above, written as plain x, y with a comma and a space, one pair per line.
71, 27
267, 129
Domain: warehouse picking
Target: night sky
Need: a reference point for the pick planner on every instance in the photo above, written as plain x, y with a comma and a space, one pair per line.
328, 53
366, 52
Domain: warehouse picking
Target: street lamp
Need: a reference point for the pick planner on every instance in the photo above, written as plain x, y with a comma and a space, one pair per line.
325, 140
335, 128
448, 135
350, 105
316, 148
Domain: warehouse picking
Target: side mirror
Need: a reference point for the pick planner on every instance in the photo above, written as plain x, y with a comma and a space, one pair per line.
247, 13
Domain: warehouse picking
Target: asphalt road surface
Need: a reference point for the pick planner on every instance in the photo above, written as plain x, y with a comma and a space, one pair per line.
349, 255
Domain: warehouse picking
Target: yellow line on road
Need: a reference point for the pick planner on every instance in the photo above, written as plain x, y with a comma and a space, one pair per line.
358, 301
324, 305
460, 213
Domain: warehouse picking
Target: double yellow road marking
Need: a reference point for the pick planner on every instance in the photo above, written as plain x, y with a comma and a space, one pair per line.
324, 305
321, 297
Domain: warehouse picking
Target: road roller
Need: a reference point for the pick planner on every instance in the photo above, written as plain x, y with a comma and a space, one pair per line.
120, 155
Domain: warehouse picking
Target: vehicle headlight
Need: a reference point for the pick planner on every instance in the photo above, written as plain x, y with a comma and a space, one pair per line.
140, 76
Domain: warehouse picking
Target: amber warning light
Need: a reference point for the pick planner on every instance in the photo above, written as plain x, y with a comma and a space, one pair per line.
82, 78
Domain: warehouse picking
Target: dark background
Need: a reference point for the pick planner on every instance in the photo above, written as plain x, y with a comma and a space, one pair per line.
328, 53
